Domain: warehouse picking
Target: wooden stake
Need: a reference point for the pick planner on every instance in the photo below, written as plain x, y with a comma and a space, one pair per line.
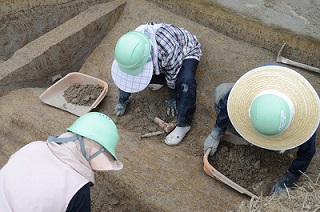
167, 127
152, 134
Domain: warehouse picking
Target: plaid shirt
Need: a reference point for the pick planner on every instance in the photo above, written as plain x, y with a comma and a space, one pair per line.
174, 45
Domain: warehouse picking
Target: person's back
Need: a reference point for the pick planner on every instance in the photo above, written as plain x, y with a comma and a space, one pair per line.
34, 179
56, 175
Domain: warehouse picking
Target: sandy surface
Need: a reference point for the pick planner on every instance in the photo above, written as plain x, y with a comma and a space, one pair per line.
224, 60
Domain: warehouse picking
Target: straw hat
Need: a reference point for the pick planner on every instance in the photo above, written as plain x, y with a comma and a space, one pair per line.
304, 98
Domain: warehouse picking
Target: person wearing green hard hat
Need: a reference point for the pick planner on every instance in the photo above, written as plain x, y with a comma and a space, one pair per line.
155, 54
56, 175
272, 107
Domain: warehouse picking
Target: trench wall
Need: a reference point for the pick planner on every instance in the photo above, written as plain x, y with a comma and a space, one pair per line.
22, 21
293, 22
62, 50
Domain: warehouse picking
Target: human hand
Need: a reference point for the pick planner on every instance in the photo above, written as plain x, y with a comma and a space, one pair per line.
213, 140
123, 101
171, 107
120, 108
171, 103
286, 181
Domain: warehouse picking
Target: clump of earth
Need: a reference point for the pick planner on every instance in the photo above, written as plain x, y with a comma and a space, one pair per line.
255, 169
82, 94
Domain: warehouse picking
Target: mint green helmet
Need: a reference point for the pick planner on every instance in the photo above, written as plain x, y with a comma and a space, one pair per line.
98, 127
270, 114
132, 51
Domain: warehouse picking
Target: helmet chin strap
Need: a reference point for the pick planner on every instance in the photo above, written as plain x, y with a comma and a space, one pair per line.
72, 139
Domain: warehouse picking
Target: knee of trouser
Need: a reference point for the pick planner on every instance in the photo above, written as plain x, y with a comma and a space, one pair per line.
189, 81
221, 90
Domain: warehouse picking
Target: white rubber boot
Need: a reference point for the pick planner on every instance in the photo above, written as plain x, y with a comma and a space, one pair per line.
155, 87
176, 136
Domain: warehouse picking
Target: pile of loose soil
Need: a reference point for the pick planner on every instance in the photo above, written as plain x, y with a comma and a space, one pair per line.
253, 168
82, 94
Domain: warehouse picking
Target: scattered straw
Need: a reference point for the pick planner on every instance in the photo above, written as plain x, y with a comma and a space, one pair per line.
304, 198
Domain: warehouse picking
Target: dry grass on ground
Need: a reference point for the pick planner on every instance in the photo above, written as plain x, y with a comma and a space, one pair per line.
301, 198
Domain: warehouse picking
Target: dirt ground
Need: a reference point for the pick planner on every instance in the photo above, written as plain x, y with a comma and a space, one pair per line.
224, 60
254, 168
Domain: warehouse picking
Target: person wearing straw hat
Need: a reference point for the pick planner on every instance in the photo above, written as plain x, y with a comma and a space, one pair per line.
56, 175
155, 54
272, 107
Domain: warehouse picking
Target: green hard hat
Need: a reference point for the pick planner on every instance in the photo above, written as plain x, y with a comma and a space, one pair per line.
269, 114
98, 127
132, 51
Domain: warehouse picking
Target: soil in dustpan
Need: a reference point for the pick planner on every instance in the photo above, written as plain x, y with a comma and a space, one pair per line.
255, 169
82, 94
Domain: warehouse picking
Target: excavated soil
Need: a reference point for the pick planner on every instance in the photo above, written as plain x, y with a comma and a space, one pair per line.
253, 168
224, 60
82, 94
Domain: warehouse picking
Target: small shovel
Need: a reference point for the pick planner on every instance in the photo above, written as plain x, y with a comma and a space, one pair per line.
281, 59
212, 172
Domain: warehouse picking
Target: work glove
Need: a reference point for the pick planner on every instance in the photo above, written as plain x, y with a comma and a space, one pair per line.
171, 103
213, 140
287, 180
121, 106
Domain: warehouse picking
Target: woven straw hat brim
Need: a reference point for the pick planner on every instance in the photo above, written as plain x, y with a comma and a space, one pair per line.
303, 96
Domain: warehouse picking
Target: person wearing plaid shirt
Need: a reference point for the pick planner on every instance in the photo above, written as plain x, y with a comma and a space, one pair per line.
155, 54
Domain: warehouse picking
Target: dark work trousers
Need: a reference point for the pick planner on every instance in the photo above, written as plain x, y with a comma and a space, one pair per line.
81, 200
158, 79
184, 92
305, 152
